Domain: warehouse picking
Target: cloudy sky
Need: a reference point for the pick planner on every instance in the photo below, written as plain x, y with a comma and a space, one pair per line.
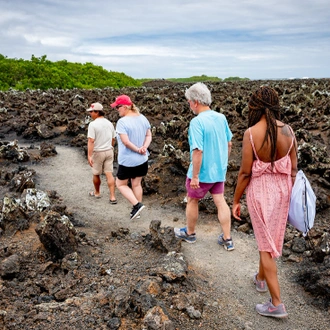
174, 38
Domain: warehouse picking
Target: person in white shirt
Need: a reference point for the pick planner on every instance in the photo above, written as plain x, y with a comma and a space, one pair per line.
101, 139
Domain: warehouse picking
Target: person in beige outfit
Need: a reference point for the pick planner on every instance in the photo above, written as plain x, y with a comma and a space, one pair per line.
101, 139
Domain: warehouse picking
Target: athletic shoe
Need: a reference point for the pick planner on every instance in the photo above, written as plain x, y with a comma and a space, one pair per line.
268, 309
182, 233
137, 217
226, 243
136, 210
261, 286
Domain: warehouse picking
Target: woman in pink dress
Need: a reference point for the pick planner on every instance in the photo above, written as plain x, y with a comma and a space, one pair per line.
268, 170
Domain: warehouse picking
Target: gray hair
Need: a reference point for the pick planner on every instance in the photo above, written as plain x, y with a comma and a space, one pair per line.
200, 93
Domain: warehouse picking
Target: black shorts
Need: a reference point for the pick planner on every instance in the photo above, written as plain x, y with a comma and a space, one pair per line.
125, 172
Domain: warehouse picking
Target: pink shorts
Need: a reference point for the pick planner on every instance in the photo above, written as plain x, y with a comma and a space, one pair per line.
199, 193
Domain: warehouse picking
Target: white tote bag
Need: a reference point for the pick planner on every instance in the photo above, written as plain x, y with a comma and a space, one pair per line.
302, 204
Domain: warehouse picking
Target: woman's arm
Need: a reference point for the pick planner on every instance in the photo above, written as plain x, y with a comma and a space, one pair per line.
244, 174
146, 143
147, 139
130, 145
127, 143
294, 159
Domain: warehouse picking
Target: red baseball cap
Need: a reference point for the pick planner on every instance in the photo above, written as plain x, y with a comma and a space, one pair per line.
121, 100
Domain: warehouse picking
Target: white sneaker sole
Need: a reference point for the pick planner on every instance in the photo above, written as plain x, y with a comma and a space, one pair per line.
138, 212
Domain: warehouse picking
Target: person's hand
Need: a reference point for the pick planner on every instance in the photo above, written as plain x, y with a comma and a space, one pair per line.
142, 150
194, 183
236, 210
90, 161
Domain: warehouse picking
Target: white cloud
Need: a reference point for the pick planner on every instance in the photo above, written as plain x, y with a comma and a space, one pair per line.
172, 38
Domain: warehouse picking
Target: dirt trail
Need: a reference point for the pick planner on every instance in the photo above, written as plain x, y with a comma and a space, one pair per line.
229, 273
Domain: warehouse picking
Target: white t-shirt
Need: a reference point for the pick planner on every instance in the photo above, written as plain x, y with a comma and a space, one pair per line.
102, 131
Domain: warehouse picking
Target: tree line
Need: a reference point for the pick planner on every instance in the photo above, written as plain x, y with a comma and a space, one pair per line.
40, 73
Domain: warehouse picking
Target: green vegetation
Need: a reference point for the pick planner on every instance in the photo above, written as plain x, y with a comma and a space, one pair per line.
235, 79
194, 79
40, 73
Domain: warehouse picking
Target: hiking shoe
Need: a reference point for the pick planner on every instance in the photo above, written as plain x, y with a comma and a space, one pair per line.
261, 286
268, 309
136, 210
182, 233
226, 243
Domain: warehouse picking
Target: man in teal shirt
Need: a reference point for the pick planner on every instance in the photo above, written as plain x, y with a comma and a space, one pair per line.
210, 144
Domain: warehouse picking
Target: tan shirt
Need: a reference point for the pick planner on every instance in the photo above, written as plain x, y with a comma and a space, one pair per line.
102, 131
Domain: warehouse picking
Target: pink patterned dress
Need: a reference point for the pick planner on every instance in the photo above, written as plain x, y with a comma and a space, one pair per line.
268, 199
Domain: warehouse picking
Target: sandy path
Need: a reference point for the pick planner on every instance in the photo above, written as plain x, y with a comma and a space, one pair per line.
229, 272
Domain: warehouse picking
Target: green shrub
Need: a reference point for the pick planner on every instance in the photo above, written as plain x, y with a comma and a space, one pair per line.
40, 73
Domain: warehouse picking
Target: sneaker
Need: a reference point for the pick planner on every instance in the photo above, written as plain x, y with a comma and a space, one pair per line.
268, 309
226, 243
136, 210
182, 233
137, 217
261, 286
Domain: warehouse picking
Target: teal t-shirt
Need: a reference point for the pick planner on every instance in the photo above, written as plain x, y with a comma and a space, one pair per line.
210, 133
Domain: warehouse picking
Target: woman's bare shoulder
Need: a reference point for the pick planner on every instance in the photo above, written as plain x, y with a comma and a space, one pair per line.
246, 134
285, 129
259, 129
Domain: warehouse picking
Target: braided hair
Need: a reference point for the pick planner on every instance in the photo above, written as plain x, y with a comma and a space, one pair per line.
265, 101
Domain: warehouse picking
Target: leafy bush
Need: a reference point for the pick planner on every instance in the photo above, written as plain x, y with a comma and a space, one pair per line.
40, 73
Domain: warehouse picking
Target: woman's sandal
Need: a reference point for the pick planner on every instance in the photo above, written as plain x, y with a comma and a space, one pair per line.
113, 202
